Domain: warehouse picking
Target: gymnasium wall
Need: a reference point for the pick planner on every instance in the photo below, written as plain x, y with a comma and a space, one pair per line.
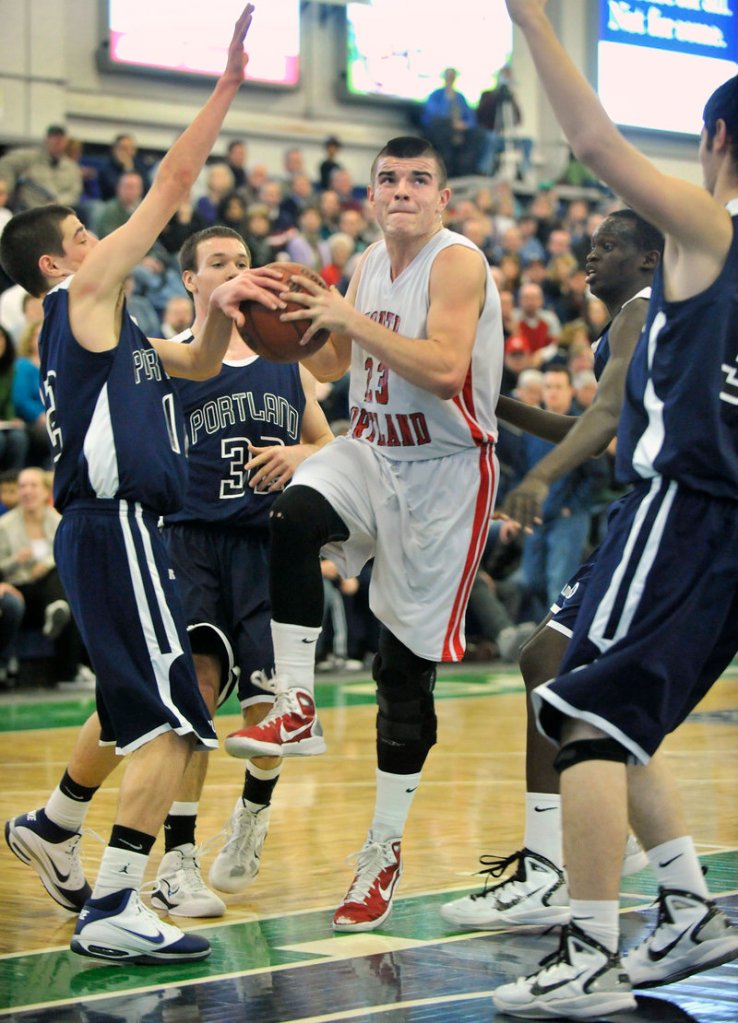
48, 74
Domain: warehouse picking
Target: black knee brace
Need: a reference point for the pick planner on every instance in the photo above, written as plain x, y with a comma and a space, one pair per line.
591, 749
406, 718
301, 521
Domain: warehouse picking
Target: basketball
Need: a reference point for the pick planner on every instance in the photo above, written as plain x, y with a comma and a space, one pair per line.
268, 336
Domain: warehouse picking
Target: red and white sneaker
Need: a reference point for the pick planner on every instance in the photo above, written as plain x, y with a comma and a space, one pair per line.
368, 901
290, 729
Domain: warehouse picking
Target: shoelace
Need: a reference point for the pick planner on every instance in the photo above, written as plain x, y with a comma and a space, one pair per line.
495, 866
369, 861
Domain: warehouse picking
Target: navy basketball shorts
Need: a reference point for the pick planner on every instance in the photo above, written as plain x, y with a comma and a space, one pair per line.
565, 610
658, 622
115, 571
223, 578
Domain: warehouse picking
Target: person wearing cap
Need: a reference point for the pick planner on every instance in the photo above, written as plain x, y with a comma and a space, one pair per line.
331, 145
517, 358
37, 175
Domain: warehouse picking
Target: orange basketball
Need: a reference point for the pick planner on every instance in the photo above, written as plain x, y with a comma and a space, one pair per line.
270, 337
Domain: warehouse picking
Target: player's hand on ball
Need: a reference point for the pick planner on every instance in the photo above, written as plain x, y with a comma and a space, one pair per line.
260, 285
325, 307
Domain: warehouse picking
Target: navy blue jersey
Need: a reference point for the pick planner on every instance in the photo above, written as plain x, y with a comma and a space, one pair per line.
680, 417
114, 420
252, 401
601, 347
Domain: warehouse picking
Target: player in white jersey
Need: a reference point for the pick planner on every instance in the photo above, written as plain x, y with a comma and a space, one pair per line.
412, 486
117, 436
657, 624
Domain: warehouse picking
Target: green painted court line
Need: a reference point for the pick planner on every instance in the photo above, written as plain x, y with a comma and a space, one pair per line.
260, 945
21, 715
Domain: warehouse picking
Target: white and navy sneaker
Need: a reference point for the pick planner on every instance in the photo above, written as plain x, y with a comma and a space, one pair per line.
691, 935
535, 894
53, 852
580, 980
238, 862
120, 928
179, 888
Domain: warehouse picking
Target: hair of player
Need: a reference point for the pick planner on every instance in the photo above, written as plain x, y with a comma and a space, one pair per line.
188, 252
408, 147
27, 237
646, 237
723, 105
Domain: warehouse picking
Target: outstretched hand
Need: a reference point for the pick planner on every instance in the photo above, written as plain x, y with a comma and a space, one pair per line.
521, 10
257, 285
525, 503
235, 68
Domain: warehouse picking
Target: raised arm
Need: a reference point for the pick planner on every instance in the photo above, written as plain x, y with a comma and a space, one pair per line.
95, 292
692, 221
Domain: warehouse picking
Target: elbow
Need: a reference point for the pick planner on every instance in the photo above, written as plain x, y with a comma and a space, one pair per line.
450, 384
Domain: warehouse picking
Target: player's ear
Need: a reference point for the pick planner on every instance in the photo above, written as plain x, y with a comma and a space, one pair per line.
189, 281
651, 259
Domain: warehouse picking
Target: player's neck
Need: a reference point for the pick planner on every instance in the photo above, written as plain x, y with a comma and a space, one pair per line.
402, 251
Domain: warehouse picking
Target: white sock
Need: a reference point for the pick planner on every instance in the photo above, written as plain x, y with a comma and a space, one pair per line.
119, 869
676, 865
294, 655
599, 919
184, 809
543, 825
66, 812
395, 794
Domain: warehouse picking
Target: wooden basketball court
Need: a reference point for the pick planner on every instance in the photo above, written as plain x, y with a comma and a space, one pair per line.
275, 958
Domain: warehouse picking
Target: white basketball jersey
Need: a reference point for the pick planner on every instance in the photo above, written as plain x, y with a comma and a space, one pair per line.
401, 420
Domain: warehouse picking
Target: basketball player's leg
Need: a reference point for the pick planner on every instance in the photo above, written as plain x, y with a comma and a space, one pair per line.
303, 519
48, 839
406, 732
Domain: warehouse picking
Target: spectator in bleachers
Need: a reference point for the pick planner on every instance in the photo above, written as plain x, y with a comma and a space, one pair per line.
297, 196
178, 316
123, 158
585, 388
37, 175
517, 359
538, 325
141, 309
293, 164
185, 222
117, 211
13, 437
450, 124
8, 490
27, 563
349, 195
476, 229
157, 278
26, 396
572, 300
219, 183
499, 115
12, 609
507, 309
255, 178
236, 160
352, 223
257, 237
341, 248
280, 219
558, 271
510, 273
330, 210
329, 164
308, 246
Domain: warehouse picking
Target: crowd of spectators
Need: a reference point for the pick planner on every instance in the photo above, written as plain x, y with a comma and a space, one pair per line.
536, 246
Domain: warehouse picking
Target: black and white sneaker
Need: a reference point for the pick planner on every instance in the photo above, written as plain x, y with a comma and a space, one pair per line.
691, 935
535, 894
580, 980
53, 853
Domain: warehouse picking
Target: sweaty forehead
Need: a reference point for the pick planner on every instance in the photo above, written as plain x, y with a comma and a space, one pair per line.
416, 165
